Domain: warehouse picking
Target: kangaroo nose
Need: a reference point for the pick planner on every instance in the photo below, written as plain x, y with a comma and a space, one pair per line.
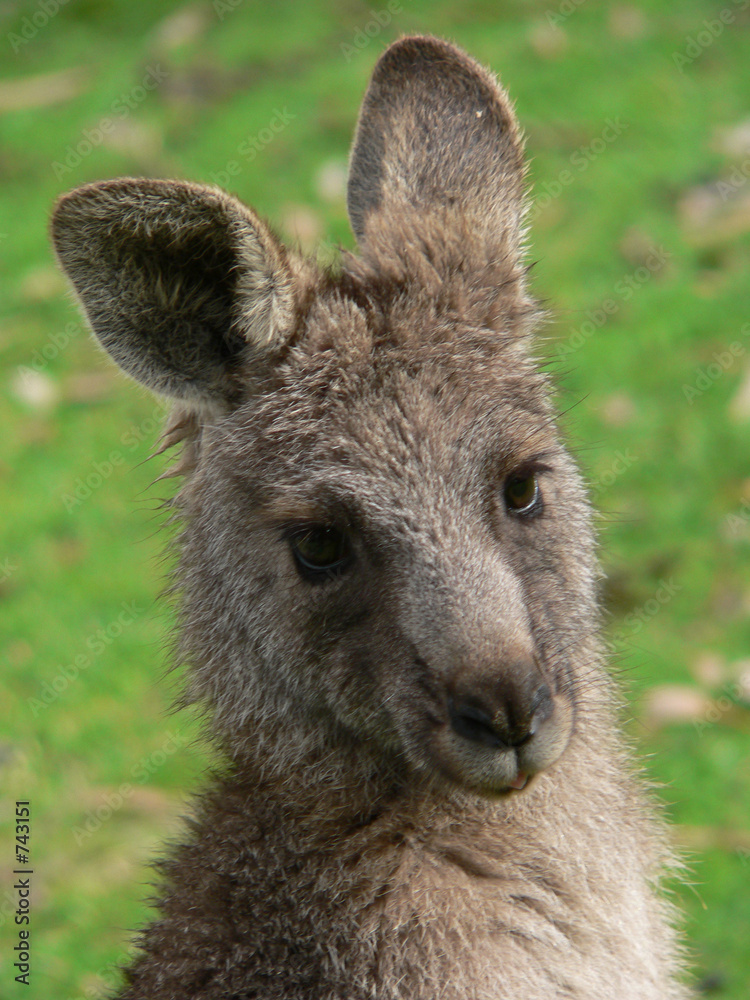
506, 717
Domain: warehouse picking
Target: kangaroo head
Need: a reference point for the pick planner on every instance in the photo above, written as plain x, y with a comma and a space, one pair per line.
385, 541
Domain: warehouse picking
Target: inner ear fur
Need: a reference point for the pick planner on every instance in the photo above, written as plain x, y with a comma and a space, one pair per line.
178, 281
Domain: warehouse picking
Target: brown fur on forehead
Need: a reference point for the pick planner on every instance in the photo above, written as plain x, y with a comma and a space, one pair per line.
427, 288
362, 312
370, 400
364, 344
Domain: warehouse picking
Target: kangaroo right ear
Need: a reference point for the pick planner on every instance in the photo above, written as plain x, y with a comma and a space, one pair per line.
177, 280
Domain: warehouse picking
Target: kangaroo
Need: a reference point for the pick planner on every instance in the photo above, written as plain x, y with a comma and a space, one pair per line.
387, 580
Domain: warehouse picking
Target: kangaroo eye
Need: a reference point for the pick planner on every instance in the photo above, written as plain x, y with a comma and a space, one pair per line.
522, 495
321, 552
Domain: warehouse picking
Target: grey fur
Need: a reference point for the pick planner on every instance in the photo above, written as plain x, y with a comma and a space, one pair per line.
365, 838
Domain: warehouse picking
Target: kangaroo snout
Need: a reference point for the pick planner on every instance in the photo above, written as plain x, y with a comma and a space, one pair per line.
501, 723
493, 707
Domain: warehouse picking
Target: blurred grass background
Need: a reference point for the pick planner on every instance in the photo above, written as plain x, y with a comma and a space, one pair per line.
638, 124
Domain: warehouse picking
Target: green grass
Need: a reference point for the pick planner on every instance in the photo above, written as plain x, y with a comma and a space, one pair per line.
668, 470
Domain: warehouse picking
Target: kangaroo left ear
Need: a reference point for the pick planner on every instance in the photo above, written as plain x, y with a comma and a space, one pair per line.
437, 155
179, 282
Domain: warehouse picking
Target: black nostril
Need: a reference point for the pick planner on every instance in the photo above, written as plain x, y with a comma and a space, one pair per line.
474, 724
511, 726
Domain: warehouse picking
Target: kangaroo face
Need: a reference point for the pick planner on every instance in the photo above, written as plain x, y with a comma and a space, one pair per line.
382, 542
384, 539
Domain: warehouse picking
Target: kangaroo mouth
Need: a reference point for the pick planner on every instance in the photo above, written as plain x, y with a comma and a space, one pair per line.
467, 757
519, 783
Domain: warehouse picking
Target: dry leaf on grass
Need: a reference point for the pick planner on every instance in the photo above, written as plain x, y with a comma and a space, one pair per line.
739, 407
548, 40
303, 226
182, 27
618, 409
709, 669
330, 181
702, 838
35, 389
627, 23
714, 214
40, 91
89, 387
734, 142
43, 283
674, 703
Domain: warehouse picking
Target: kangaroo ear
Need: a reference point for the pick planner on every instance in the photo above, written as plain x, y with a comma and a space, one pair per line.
437, 155
178, 281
